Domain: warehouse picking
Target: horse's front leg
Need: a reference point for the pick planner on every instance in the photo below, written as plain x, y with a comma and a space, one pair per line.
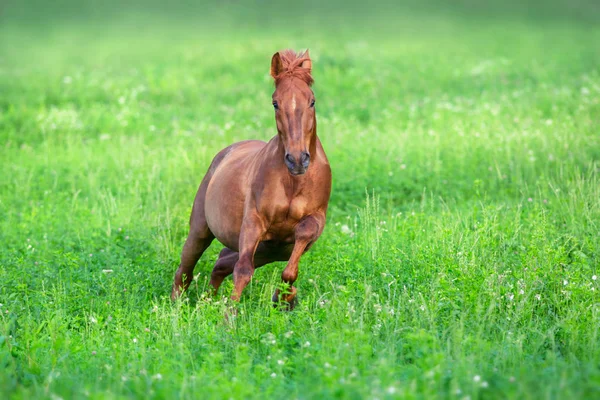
307, 232
252, 232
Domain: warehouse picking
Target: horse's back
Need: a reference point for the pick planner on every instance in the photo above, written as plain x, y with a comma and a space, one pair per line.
244, 145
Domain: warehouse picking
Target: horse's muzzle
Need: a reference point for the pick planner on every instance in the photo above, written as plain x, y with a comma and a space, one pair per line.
297, 166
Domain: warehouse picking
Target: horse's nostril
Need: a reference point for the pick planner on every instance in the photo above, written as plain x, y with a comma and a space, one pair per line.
290, 159
305, 159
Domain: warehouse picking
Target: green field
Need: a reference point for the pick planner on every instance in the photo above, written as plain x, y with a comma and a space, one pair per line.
463, 238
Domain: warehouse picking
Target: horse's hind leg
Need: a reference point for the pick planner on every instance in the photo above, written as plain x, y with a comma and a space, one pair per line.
224, 266
198, 240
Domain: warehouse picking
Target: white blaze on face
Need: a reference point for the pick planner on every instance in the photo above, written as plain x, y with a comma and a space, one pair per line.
293, 102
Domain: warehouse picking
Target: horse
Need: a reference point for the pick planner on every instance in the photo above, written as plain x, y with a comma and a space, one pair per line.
264, 202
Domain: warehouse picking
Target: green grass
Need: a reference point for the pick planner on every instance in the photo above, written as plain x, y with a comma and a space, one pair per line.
463, 238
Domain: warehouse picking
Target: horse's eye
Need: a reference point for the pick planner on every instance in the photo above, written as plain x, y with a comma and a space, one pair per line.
275, 105
312, 103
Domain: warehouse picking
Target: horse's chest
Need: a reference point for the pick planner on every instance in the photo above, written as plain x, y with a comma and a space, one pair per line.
284, 216
288, 211
298, 209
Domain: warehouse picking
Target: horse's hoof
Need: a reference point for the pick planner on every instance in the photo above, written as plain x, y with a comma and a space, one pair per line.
289, 305
288, 301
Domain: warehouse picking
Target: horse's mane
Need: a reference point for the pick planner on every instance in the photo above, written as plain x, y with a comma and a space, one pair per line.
292, 62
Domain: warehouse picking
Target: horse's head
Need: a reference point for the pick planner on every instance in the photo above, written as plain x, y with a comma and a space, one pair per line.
294, 104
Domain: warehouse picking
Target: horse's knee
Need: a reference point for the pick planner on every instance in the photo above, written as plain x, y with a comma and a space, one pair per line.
308, 230
289, 275
243, 270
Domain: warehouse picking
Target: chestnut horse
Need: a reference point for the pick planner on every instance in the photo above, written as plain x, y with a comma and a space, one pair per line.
265, 202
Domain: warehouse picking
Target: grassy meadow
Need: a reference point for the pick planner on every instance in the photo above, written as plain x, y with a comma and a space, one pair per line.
462, 249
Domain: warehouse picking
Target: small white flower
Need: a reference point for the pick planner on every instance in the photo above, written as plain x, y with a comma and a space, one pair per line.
306, 344
476, 378
594, 277
93, 320
521, 291
391, 390
346, 230
484, 384
289, 334
327, 365
67, 80
565, 282
157, 377
121, 100
273, 375
134, 340
511, 379
280, 362
538, 296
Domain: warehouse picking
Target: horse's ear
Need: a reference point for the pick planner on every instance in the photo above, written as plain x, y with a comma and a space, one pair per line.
276, 65
307, 64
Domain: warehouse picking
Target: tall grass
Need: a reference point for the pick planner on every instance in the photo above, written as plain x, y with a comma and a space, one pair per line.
461, 254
